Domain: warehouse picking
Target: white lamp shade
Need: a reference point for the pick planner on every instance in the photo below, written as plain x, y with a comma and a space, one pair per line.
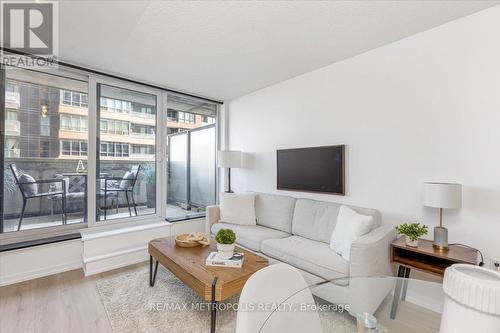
442, 195
229, 159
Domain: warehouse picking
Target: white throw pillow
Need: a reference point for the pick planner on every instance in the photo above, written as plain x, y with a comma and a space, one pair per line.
237, 208
350, 226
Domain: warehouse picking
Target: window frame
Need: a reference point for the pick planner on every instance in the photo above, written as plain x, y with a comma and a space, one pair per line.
93, 79
160, 167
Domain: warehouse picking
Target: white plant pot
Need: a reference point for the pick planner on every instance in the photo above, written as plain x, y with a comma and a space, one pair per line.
411, 243
225, 250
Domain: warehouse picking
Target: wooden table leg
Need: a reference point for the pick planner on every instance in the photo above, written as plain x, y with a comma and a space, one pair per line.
397, 291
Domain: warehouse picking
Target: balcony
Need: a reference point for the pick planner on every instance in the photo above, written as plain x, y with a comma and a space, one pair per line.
143, 135
46, 211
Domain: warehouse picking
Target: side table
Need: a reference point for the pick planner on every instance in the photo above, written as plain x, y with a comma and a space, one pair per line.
424, 258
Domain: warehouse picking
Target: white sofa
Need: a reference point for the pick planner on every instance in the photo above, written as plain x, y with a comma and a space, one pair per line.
297, 232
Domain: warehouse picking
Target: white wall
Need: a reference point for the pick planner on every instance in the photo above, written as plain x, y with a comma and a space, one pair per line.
34, 262
425, 108
100, 249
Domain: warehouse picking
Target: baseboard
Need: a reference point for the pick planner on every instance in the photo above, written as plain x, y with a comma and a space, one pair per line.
115, 260
35, 274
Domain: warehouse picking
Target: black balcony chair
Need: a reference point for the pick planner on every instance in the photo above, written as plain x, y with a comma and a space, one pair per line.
113, 186
29, 190
76, 192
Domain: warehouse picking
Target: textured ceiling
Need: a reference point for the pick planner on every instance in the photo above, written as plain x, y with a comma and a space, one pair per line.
224, 49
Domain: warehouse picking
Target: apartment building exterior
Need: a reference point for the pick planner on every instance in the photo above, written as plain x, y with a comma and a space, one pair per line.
49, 122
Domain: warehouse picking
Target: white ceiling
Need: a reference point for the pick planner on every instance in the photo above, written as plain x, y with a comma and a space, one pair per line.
224, 49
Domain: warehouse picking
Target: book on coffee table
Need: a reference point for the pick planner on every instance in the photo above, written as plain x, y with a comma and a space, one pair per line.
214, 259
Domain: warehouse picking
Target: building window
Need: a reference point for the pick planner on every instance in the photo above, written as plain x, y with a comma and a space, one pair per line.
115, 105
110, 126
74, 98
73, 148
206, 120
181, 117
142, 130
114, 149
12, 147
143, 150
44, 125
186, 117
11, 115
74, 123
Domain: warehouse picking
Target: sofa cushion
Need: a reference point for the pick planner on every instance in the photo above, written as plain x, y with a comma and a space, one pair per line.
274, 211
316, 219
28, 189
250, 236
238, 208
311, 256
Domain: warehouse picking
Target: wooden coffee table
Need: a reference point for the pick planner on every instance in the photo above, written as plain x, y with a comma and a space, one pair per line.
213, 284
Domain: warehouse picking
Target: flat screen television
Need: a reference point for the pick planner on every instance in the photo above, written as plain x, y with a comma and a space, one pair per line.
316, 169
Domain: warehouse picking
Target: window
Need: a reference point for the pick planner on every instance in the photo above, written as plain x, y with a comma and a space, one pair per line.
74, 123
172, 115
191, 180
12, 147
143, 150
130, 164
114, 149
110, 126
35, 146
73, 148
47, 123
115, 105
74, 98
11, 115
207, 120
142, 130
44, 126
186, 117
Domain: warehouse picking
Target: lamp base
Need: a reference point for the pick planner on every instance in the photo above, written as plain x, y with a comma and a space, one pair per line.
440, 239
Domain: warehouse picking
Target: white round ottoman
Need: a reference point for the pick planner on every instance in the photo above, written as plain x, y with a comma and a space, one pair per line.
472, 301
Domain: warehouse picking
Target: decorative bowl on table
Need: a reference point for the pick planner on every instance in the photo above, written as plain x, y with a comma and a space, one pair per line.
192, 239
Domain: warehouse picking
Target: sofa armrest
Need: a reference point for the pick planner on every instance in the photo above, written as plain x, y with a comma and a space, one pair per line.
212, 217
370, 254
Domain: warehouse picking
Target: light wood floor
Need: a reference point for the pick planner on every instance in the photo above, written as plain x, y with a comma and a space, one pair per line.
70, 303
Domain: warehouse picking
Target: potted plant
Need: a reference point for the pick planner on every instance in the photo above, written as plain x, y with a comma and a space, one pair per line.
225, 239
412, 232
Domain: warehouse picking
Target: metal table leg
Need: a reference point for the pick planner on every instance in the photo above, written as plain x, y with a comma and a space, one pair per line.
213, 307
397, 291
152, 276
405, 283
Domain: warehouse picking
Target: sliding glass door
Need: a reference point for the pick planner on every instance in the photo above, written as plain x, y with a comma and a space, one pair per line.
126, 156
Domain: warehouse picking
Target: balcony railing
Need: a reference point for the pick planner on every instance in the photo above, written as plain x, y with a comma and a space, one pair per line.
143, 135
44, 212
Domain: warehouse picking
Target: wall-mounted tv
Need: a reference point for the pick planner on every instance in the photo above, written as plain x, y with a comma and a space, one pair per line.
315, 169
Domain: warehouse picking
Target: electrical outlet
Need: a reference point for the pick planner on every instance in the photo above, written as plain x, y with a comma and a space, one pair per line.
495, 264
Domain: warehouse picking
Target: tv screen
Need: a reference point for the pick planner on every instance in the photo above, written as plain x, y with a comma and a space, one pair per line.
316, 169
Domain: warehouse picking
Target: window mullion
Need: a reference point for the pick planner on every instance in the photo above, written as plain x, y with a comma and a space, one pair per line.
92, 150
